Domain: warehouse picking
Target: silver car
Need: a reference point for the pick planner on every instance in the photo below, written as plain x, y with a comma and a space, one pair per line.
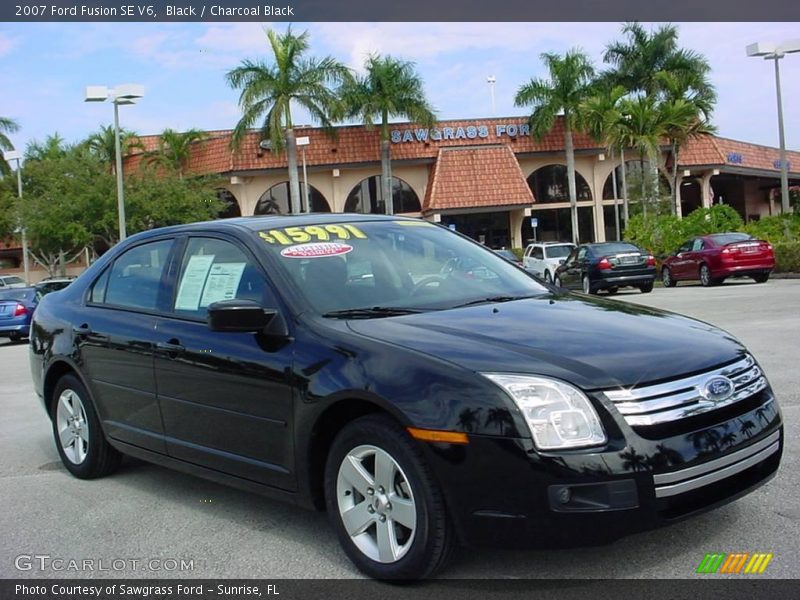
542, 258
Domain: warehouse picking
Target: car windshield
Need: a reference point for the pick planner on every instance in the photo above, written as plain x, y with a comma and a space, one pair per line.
381, 268
729, 238
558, 251
17, 294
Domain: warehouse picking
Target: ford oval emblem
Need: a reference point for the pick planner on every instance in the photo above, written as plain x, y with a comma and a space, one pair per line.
717, 389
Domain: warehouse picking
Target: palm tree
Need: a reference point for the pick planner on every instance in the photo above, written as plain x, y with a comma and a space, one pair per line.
7, 126
53, 147
389, 88
691, 97
638, 61
632, 460
268, 90
102, 144
602, 117
175, 149
567, 87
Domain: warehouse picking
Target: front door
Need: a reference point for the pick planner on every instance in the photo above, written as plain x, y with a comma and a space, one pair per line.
226, 397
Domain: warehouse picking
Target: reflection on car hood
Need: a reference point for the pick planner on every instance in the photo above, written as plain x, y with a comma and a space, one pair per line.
593, 343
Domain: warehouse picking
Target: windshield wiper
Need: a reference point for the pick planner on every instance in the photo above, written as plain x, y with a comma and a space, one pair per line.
493, 299
368, 313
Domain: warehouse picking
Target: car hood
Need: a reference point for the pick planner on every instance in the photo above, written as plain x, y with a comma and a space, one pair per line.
592, 343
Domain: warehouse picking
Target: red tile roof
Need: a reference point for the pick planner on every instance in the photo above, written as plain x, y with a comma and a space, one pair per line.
471, 177
709, 150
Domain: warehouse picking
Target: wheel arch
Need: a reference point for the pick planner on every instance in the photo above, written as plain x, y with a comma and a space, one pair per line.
55, 371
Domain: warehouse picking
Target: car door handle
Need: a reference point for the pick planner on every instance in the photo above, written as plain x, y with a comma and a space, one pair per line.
171, 347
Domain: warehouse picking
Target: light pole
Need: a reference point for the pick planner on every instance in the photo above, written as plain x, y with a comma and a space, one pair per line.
491, 80
15, 155
127, 93
304, 141
775, 52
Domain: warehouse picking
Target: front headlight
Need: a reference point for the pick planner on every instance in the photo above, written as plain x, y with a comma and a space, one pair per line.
559, 415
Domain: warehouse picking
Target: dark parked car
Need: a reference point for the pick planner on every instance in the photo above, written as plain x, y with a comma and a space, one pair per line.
713, 258
16, 309
607, 266
53, 284
410, 381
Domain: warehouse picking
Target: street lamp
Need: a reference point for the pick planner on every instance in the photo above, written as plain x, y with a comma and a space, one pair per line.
17, 156
303, 142
491, 80
127, 93
771, 51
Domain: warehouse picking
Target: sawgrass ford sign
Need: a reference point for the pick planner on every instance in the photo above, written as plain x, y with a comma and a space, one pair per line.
468, 132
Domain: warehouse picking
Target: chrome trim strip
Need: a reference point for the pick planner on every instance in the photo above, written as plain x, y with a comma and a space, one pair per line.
713, 465
691, 410
678, 385
692, 484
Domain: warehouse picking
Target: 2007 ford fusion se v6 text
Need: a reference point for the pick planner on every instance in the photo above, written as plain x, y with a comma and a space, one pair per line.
421, 388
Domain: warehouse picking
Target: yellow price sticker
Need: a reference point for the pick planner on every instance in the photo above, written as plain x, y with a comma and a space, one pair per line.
311, 233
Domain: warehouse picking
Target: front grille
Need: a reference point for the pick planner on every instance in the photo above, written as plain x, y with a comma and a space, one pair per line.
683, 398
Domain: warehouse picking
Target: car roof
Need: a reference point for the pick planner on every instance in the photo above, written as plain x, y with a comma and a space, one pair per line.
551, 244
259, 223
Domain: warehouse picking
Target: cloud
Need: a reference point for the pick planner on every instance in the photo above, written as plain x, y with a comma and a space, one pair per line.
7, 44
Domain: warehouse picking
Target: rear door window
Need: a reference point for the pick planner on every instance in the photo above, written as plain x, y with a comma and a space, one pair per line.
135, 278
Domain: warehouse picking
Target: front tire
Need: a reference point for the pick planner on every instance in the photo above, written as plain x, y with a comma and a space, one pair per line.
79, 439
666, 278
557, 281
384, 503
547, 278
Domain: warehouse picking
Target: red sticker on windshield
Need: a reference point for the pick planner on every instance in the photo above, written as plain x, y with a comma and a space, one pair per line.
316, 250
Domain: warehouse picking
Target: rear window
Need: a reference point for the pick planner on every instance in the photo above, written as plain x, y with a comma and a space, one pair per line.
558, 251
18, 294
729, 238
12, 279
615, 248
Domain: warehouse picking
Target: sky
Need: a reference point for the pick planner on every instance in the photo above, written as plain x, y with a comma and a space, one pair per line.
44, 68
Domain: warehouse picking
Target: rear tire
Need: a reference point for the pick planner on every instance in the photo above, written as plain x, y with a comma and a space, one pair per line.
375, 469
706, 280
14, 337
612, 290
79, 438
586, 285
646, 288
666, 278
762, 278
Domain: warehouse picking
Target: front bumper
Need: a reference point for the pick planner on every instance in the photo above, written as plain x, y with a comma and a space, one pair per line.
502, 492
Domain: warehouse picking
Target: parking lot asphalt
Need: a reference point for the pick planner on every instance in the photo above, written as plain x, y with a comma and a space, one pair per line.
144, 517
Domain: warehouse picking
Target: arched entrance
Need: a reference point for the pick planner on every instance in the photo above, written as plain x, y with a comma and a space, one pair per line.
367, 196
230, 207
275, 201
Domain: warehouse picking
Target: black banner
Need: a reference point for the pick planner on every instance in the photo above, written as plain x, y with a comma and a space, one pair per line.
734, 588
149, 11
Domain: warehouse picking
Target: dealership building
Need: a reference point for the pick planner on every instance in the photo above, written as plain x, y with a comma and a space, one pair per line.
488, 178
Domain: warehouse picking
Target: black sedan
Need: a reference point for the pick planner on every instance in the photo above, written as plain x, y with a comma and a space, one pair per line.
415, 384
607, 266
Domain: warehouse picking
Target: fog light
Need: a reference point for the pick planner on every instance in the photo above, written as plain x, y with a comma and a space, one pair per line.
564, 495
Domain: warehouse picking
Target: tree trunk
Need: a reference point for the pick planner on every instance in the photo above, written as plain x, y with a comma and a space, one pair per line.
573, 195
643, 199
615, 189
676, 192
294, 181
386, 177
624, 172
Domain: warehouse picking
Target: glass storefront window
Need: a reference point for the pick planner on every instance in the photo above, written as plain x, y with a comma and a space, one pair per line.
368, 191
275, 201
549, 184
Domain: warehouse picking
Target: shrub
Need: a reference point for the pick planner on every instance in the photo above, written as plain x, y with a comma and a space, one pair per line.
518, 252
787, 256
780, 228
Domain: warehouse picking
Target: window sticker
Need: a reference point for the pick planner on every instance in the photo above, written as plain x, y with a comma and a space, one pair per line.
311, 233
222, 282
316, 250
194, 279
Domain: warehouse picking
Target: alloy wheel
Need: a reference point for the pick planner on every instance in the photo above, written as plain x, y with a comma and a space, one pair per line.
376, 504
73, 429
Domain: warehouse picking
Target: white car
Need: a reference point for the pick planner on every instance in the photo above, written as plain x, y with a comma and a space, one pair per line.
11, 281
542, 258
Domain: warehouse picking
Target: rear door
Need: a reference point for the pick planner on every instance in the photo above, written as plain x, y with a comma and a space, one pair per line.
115, 339
226, 397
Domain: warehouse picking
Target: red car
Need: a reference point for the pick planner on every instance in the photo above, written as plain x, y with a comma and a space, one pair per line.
715, 257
